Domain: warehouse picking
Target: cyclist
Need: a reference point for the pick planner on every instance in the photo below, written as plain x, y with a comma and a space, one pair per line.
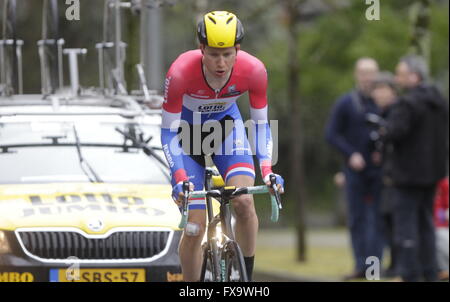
201, 90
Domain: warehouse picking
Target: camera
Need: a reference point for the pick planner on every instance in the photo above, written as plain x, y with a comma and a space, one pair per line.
375, 122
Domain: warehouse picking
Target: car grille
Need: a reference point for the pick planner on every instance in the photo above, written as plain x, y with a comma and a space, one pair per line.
118, 245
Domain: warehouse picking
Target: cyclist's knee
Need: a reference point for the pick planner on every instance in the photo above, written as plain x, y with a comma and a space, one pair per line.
243, 206
196, 224
194, 229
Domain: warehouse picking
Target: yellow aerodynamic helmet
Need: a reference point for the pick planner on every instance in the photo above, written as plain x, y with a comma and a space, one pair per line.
220, 29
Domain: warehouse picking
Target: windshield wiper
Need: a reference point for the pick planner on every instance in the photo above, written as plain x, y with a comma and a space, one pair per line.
148, 150
85, 166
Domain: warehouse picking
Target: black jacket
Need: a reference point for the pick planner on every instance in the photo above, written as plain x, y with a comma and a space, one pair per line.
417, 126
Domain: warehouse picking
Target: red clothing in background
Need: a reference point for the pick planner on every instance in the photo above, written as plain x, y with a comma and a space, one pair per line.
441, 204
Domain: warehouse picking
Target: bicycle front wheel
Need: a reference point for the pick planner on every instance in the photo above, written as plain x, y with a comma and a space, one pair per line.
210, 268
233, 258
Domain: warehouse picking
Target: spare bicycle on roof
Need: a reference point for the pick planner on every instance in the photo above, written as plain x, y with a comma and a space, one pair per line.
111, 52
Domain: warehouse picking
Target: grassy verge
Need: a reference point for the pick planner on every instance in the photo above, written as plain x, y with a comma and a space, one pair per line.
328, 254
322, 263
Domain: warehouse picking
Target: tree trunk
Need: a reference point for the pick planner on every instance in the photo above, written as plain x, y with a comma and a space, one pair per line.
297, 186
133, 47
420, 39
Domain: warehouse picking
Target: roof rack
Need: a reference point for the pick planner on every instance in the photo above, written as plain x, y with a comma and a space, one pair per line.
11, 80
111, 57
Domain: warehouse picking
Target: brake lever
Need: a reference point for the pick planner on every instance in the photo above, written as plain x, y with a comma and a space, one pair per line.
273, 185
185, 210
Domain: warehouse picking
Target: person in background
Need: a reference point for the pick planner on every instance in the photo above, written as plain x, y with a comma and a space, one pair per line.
417, 128
385, 94
441, 224
348, 132
341, 211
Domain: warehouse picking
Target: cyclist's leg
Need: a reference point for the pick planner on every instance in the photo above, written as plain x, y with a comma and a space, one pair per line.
246, 227
190, 250
235, 163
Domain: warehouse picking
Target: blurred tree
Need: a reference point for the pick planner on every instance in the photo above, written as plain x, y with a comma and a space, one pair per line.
420, 39
292, 20
132, 38
295, 14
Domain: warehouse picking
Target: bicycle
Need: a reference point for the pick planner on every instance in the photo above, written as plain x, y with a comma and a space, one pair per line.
50, 49
112, 50
223, 260
11, 81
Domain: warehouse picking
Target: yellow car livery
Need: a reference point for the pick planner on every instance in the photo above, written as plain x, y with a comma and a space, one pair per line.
85, 194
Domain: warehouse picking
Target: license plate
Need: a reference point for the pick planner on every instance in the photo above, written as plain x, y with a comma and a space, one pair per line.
97, 275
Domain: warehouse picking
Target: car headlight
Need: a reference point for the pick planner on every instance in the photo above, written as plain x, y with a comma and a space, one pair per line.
4, 243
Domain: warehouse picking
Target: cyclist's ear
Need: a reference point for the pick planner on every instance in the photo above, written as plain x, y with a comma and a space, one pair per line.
202, 48
238, 47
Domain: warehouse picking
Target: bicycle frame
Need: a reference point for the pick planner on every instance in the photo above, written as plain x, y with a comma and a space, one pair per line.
211, 230
217, 248
225, 215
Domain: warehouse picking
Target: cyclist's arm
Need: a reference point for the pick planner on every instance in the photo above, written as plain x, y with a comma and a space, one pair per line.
171, 117
261, 134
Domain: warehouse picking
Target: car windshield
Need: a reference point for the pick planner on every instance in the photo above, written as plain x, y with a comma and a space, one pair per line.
45, 151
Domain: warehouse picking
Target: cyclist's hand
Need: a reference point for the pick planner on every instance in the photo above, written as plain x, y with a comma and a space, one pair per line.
279, 181
177, 192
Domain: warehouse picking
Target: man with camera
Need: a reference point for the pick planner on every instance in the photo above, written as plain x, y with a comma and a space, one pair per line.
347, 131
417, 128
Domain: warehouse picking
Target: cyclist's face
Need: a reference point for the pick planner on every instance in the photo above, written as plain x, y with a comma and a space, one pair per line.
219, 61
